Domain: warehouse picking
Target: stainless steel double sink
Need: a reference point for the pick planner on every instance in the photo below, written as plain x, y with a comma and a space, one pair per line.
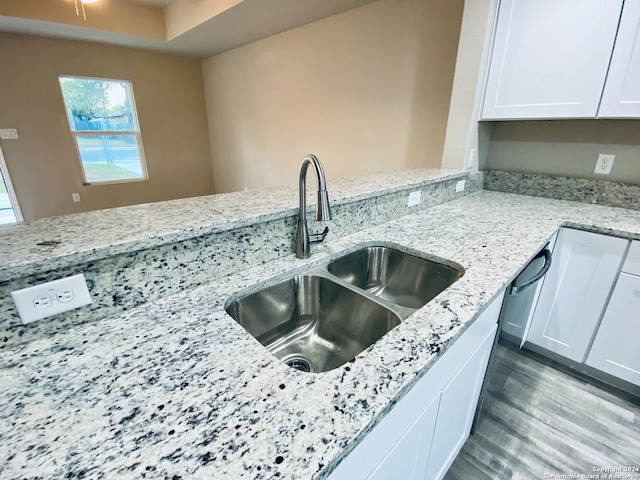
320, 320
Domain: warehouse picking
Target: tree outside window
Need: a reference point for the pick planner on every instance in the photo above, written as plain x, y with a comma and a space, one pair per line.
104, 124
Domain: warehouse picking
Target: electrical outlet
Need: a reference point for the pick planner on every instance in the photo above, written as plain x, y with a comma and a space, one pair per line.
414, 198
460, 185
42, 301
75, 197
65, 295
604, 164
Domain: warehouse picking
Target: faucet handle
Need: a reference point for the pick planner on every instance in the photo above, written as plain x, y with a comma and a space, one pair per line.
318, 237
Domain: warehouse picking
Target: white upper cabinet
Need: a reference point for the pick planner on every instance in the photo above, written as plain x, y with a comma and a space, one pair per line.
550, 59
621, 97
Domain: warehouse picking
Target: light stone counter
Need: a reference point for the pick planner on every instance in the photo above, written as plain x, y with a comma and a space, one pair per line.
177, 389
56, 242
131, 256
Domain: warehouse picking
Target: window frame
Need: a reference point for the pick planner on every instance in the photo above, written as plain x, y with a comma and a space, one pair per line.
111, 133
13, 198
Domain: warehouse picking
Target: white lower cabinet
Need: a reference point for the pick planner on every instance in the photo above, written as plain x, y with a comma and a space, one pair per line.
408, 458
457, 407
589, 306
615, 347
575, 291
421, 436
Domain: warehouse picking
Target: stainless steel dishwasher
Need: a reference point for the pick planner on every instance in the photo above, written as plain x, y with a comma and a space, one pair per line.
516, 311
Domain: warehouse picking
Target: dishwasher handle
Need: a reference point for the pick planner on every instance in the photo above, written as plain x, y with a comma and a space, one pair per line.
547, 264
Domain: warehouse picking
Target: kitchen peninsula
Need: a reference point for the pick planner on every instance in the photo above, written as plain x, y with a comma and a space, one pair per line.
175, 388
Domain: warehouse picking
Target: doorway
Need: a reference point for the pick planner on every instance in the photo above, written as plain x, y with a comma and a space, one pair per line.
9, 208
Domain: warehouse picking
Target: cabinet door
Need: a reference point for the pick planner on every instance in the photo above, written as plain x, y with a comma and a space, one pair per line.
408, 457
550, 58
632, 262
575, 291
400, 441
399, 446
621, 97
457, 407
615, 348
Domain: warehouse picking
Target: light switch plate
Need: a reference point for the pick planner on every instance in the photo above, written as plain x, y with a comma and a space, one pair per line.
414, 198
473, 159
42, 301
8, 134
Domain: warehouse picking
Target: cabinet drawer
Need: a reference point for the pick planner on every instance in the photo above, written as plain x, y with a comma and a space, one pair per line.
632, 263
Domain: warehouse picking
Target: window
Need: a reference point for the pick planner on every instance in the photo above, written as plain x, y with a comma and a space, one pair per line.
104, 124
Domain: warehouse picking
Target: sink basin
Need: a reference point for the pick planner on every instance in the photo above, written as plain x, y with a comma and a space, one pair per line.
320, 320
395, 276
311, 322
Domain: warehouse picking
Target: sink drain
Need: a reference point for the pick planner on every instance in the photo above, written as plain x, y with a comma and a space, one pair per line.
299, 364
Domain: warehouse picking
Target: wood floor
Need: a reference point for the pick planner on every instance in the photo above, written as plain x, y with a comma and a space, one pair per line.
539, 421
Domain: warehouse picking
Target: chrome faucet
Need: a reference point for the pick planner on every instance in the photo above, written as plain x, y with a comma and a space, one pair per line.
323, 213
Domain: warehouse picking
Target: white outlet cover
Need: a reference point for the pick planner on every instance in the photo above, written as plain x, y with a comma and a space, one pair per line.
460, 185
604, 164
414, 198
72, 291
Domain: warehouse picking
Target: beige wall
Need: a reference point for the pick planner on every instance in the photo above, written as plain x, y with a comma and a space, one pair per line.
367, 91
464, 133
566, 148
44, 164
183, 15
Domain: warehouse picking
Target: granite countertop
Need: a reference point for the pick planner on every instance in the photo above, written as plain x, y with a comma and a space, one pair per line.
51, 243
177, 389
